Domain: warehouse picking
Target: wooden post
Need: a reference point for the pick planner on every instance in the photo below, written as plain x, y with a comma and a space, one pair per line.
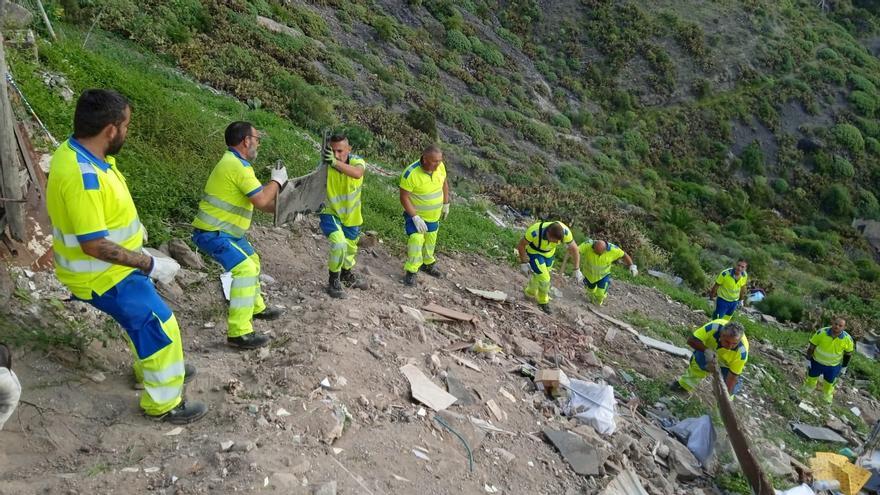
46, 20
10, 185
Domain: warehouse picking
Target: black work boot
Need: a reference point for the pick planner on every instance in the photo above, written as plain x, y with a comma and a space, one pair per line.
432, 270
189, 372
5, 357
251, 340
269, 314
185, 413
409, 279
334, 286
545, 308
349, 279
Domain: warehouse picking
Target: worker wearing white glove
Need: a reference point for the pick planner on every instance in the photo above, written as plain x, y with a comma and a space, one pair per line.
597, 258
424, 196
525, 267
711, 359
163, 269
578, 276
444, 212
420, 224
10, 388
634, 270
279, 174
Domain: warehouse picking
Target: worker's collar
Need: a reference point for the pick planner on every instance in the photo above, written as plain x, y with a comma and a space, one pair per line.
238, 155
88, 155
830, 333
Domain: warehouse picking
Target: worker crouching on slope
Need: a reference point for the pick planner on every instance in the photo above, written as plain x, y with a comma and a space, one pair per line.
424, 195
596, 259
341, 218
829, 353
225, 212
536, 250
718, 342
99, 257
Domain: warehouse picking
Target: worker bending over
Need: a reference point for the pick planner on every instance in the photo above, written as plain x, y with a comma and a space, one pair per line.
536, 250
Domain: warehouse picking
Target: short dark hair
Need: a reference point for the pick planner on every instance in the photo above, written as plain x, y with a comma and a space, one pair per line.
338, 138
96, 109
433, 148
556, 231
236, 132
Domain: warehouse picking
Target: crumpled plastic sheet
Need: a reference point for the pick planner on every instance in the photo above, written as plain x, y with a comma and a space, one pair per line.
699, 436
592, 404
798, 490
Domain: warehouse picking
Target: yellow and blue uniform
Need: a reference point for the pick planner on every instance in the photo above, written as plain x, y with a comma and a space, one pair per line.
729, 289
224, 217
729, 360
87, 198
597, 269
827, 360
341, 218
541, 252
426, 193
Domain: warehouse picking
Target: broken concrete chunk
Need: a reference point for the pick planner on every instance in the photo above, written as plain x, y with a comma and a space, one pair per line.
181, 252
581, 456
492, 295
461, 392
817, 433
505, 455
527, 348
496, 411
412, 312
625, 483
224, 446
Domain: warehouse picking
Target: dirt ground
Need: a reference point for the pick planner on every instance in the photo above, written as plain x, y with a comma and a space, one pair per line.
78, 428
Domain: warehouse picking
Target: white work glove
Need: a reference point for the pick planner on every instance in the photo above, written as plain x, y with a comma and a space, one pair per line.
842, 372
420, 224
279, 174
146, 237
10, 392
445, 212
578, 277
525, 268
634, 270
710, 359
164, 269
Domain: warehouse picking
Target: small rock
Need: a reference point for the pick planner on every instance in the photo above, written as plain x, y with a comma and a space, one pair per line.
97, 377
174, 432
244, 447
281, 412
253, 409
180, 251
328, 488
130, 470
151, 470
226, 445
412, 312
506, 455
362, 400
267, 279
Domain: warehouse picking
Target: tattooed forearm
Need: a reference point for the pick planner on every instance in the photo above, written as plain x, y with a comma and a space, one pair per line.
109, 251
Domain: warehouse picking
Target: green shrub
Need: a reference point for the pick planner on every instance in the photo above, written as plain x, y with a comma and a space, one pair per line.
864, 103
386, 28
560, 120
457, 41
849, 137
810, 248
862, 83
581, 118
633, 141
828, 54
779, 185
539, 133
836, 201
686, 265
872, 145
783, 306
307, 106
752, 158
868, 206
869, 271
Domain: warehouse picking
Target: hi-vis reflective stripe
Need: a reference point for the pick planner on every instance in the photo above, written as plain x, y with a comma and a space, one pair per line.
428, 207
427, 197
163, 394
220, 224
231, 208
116, 235
243, 282
169, 373
345, 197
343, 211
827, 358
81, 266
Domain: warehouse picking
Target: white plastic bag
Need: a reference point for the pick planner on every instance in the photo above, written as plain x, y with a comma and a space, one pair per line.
592, 404
10, 392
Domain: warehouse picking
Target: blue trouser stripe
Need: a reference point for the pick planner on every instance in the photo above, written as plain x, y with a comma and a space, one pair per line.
829, 373
137, 307
538, 259
724, 308
602, 283
331, 223
410, 227
221, 247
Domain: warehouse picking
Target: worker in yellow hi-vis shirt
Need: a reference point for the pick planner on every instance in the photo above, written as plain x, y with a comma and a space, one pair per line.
97, 242
729, 290
424, 195
596, 260
341, 218
829, 353
718, 342
536, 250
231, 193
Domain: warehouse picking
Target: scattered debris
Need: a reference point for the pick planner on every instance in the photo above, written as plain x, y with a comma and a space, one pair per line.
421, 455
830, 466
492, 295
461, 392
808, 408
450, 313
665, 347
183, 254
699, 436
467, 363
413, 312
581, 456
496, 411
551, 381
818, 433
424, 390
592, 404
174, 432
625, 483
527, 348
672, 279
507, 395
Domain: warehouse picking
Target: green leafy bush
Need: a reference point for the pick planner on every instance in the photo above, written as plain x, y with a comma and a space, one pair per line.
386, 28
560, 120
423, 121
783, 306
457, 41
836, 201
869, 271
633, 141
779, 185
686, 265
752, 158
865, 103
849, 137
868, 206
862, 83
841, 167
872, 145
810, 248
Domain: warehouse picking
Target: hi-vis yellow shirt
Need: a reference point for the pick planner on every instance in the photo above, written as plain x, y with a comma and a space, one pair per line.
536, 238
596, 266
830, 349
87, 198
425, 190
344, 194
728, 287
733, 359
226, 205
